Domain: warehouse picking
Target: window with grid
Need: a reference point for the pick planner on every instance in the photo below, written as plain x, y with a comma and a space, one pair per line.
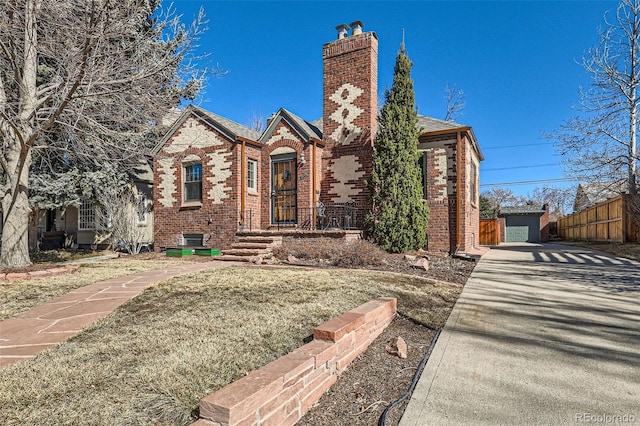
252, 175
86, 216
141, 209
193, 182
473, 184
422, 164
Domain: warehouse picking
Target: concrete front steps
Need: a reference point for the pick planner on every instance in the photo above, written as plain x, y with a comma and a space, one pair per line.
250, 246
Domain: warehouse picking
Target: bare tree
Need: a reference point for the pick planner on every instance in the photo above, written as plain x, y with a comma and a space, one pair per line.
455, 103
82, 81
500, 197
560, 200
600, 143
122, 214
256, 122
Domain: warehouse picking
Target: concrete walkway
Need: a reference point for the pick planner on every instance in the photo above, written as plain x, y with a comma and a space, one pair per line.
46, 325
540, 335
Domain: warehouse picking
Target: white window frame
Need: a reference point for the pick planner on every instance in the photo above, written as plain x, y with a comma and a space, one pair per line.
185, 182
86, 216
252, 175
473, 190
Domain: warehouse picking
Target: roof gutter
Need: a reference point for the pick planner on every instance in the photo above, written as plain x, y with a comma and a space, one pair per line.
458, 187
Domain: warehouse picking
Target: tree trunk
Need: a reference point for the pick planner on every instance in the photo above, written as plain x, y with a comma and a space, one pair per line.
633, 108
15, 215
15, 200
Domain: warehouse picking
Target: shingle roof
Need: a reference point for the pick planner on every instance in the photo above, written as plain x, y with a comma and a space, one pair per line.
229, 128
430, 124
309, 128
236, 129
304, 128
433, 125
426, 124
592, 193
526, 209
318, 123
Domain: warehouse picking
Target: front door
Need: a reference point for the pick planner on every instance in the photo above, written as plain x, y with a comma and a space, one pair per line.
284, 188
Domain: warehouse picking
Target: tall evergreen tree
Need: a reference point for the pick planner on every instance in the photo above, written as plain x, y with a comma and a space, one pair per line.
399, 215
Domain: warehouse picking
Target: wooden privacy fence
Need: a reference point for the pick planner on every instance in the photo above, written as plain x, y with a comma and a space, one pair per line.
608, 221
489, 232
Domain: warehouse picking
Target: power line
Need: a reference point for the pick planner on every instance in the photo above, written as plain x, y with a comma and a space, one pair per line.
485, 148
520, 167
529, 182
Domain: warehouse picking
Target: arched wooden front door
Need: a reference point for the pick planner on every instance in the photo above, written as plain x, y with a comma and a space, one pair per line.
284, 189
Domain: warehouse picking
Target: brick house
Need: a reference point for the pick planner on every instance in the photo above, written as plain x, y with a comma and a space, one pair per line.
215, 177
451, 160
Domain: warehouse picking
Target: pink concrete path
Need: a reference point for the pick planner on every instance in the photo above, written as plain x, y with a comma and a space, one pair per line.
46, 325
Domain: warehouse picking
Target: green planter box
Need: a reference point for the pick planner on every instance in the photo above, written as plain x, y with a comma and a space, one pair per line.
178, 252
208, 252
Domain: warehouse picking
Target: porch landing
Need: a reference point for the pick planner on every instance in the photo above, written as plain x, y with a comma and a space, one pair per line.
256, 245
346, 234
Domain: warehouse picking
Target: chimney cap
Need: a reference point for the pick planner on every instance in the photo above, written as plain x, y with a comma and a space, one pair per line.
356, 26
342, 30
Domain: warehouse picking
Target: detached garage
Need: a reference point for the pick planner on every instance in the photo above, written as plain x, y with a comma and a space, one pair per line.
525, 224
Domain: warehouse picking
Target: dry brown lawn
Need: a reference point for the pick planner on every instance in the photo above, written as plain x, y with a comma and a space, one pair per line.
22, 295
154, 358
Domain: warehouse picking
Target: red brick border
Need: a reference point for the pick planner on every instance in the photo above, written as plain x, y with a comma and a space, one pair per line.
58, 270
281, 392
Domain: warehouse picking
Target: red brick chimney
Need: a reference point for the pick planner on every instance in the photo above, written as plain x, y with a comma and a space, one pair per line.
350, 106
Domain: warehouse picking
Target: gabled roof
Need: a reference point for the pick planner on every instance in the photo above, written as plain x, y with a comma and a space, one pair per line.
592, 193
318, 123
430, 126
522, 210
227, 127
303, 128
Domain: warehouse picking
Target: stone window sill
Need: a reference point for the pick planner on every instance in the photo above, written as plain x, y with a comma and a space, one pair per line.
193, 205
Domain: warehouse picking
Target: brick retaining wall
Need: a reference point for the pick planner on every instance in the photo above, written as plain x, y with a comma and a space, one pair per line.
281, 392
55, 270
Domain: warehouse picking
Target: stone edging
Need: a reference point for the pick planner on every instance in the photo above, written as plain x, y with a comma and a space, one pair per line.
13, 276
281, 392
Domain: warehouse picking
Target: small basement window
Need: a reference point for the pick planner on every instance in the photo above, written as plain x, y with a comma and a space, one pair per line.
192, 240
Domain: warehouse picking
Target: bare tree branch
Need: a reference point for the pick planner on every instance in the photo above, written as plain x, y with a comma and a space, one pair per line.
455, 103
83, 84
600, 143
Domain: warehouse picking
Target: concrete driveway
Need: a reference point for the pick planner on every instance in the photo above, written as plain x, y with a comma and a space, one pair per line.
542, 334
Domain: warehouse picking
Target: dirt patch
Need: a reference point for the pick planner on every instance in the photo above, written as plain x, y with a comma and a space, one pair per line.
361, 254
373, 381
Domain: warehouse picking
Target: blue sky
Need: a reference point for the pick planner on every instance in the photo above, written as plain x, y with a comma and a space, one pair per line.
516, 61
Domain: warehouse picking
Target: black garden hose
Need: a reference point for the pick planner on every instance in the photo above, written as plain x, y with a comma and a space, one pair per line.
383, 418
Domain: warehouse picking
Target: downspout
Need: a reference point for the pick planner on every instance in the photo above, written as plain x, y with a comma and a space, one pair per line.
313, 177
458, 188
243, 179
